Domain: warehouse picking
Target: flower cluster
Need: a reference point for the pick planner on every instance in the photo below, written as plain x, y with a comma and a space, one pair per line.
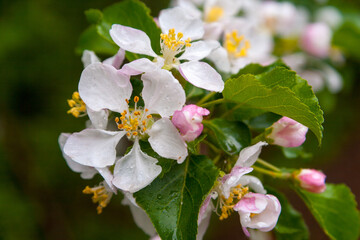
148, 102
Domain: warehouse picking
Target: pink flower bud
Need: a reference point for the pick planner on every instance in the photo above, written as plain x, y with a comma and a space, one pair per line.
316, 39
288, 133
188, 121
312, 180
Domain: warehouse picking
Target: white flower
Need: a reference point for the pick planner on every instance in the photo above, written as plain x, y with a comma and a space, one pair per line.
216, 14
179, 29
101, 86
243, 43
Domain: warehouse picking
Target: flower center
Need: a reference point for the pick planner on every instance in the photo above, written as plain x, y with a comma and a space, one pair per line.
77, 106
236, 45
227, 205
214, 14
134, 122
171, 45
101, 196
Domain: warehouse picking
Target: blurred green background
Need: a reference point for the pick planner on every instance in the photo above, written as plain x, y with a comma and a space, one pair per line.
40, 197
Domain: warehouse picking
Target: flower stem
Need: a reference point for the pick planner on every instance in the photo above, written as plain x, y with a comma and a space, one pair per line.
271, 173
268, 165
217, 101
205, 98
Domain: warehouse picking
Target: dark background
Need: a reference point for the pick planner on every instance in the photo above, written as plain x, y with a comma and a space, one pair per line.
40, 197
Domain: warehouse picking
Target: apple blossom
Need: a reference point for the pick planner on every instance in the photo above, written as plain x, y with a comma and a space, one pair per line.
316, 39
188, 121
216, 14
312, 180
287, 132
101, 86
258, 211
179, 29
243, 43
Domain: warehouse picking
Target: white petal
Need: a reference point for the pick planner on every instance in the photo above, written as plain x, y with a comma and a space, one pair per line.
140, 217
108, 177
162, 93
101, 86
202, 75
167, 141
254, 183
93, 147
99, 119
135, 170
181, 21
249, 155
221, 59
132, 40
116, 60
89, 57
199, 50
139, 66
86, 172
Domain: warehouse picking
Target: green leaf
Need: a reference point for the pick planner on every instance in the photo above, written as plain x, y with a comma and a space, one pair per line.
94, 16
173, 202
264, 120
291, 224
165, 163
91, 40
335, 210
231, 136
131, 13
280, 91
255, 69
193, 145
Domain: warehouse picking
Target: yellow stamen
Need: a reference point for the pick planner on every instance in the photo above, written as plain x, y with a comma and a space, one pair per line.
136, 99
237, 46
214, 14
101, 196
77, 105
227, 205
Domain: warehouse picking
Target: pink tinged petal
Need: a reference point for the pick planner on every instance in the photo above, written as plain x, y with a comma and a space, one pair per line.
213, 30
203, 208
254, 183
221, 60
288, 133
204, 220
188, 121
166, 140
252, 203
89, 57
108, 177
312, 180
246, 232
86, 172
316, 39
202, 75
93, 147
99, 119
139, 66
199, 50
131, 39
117, 60
249, 155
101, 86
140, 217
181, 21
233, 178
162, 93
135, 170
